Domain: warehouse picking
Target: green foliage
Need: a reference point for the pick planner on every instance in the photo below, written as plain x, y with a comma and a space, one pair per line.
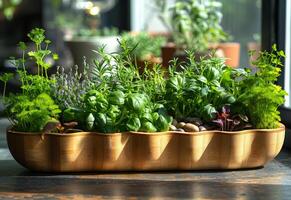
195, 24
197, 91
259, 93
115, 97
120, 99
33, 108
8, 7
68, 87
113, 31
125, 112
32, 115
144, 46
5, 78
33, 85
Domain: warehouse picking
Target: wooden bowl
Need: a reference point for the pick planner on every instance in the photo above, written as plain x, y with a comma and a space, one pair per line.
88, 151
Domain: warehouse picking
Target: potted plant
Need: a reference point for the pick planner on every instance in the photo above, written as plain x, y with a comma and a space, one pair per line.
254, 47
145, 48
205, 116
197, 25
85, 40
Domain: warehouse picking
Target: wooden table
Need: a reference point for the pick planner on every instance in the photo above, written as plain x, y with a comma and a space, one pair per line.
272, 182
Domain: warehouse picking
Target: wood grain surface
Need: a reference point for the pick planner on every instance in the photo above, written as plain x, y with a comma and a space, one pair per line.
84, 151
273, 182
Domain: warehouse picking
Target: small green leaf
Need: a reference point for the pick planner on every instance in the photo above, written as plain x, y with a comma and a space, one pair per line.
133, 124
148, 127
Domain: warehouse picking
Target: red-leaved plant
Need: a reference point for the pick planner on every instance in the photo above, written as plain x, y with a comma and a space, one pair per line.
228, 122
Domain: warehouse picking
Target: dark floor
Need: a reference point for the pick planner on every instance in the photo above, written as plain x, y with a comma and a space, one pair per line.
271, 182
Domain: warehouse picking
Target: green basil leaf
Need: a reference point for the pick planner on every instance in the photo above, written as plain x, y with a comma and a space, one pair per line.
163, 123
116, 98
113, 111
146, 117
209, 112
148, 127
136, 102
133, 124
100, 121
155, 116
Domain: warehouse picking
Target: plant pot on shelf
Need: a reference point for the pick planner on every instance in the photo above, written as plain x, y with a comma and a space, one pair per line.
150, 62
170, 51
254, 46
83, 47
231, 51
88, 151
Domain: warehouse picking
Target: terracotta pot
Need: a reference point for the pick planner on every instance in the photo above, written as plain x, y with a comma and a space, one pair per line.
88, 151
171, 51
231, 51
168, 52
153, 33
254, 46
149, 62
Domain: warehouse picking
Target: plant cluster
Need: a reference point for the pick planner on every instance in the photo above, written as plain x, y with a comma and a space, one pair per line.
33, 107
119, 99
258, 91
203, 88
113, 31
115, 97
144, 45
194, 24
226, 121
198, 90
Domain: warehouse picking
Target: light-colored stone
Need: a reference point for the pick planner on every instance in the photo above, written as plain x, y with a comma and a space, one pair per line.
173, 128
181, 124
191, 128
202, 128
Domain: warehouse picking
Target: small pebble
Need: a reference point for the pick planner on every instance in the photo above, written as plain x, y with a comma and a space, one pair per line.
180, 130
174, 122
181, 124
191, 128
173, 128
202, 128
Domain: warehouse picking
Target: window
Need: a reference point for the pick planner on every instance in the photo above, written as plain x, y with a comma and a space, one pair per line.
287, 82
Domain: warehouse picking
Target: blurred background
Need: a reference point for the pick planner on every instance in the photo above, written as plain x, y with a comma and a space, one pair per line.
75, 27
66, 19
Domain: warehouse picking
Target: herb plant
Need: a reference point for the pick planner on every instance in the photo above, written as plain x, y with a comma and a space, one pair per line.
33, 108
115, 97
195, 24
113, 31
258, 91
197, 90
120, 99
68, 87
144, 46
226, 121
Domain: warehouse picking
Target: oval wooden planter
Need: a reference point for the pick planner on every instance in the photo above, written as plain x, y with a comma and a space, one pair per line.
88, 151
